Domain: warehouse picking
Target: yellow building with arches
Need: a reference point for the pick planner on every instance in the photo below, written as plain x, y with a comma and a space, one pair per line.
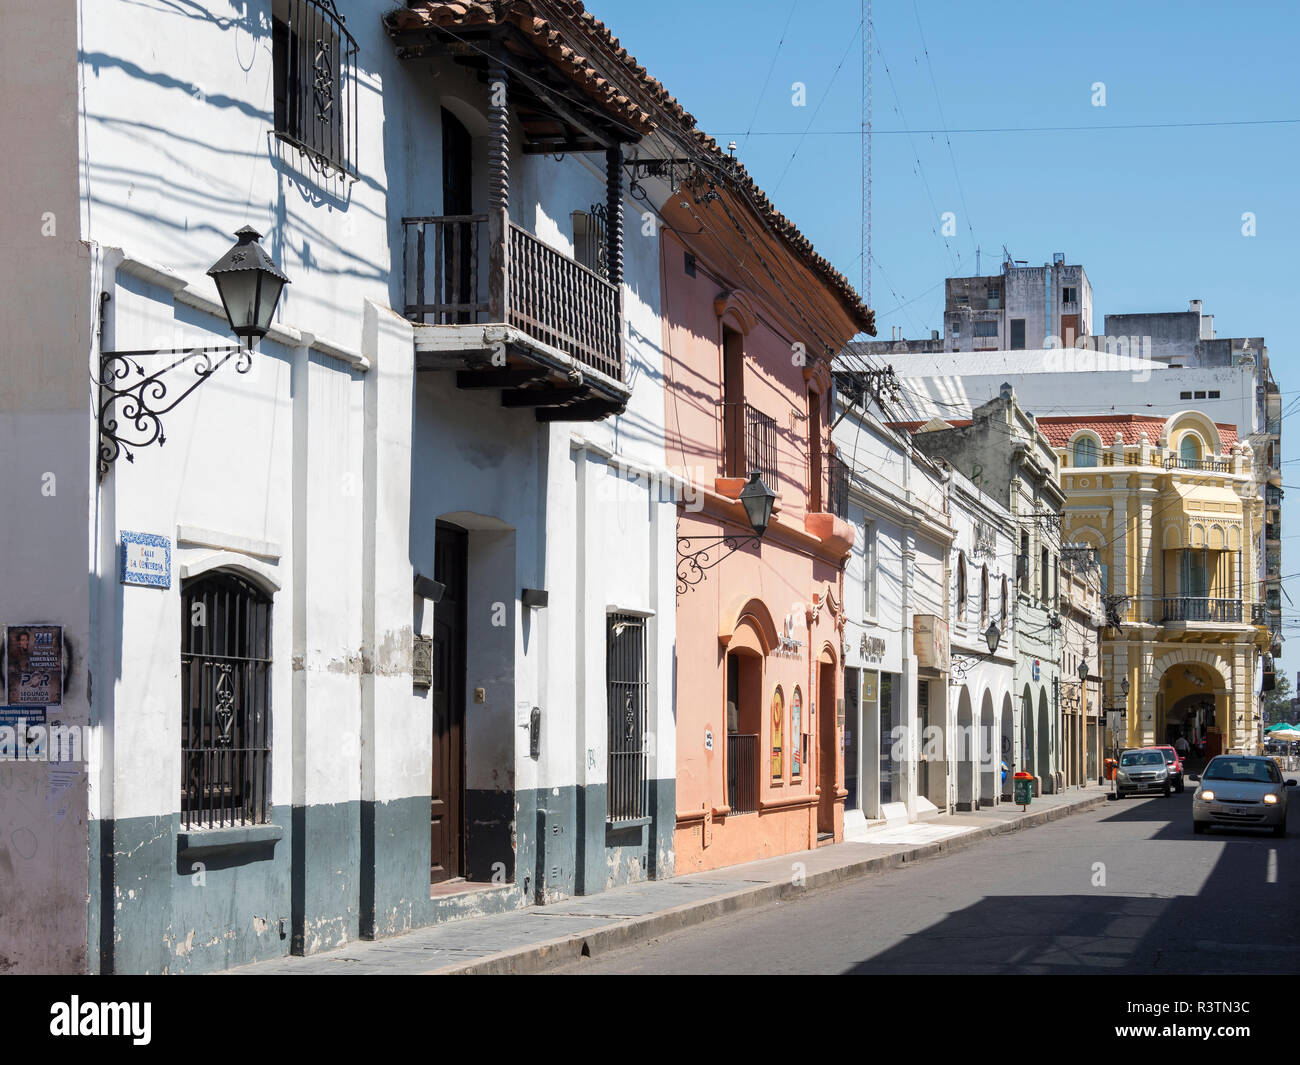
1173, 509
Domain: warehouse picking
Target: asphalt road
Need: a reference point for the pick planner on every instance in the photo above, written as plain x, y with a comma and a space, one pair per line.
1126, 888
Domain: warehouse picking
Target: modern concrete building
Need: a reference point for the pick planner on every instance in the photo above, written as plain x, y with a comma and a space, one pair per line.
1023, 307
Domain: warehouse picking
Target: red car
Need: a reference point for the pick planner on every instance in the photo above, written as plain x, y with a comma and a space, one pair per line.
1175, 764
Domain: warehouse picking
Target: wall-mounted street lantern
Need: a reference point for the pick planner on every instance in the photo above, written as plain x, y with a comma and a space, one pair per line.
1083, 672
757, 499
963, 664
249, 284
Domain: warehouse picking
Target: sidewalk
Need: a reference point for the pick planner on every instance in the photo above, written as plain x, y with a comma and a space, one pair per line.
534, 938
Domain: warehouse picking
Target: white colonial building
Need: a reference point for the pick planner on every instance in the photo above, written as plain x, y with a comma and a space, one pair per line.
373, 627
896, 609
983, 717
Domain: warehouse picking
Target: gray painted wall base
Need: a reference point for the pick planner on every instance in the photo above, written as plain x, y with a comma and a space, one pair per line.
329, 874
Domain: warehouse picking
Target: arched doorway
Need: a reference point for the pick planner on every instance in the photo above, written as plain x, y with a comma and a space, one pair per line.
1008, 744
964, 751
1043, 761
988, 748
1192, 701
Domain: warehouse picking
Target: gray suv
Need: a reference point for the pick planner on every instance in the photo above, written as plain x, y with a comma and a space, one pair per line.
1142, 769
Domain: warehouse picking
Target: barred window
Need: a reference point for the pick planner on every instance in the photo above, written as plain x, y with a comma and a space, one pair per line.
225, 702
315, 77
625, 676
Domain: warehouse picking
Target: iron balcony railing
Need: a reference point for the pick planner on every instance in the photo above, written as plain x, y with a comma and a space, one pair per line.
742, 773
552, 298
749, 442
1258, 614
1173, 462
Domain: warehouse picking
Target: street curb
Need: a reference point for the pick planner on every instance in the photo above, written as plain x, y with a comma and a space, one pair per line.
597, 941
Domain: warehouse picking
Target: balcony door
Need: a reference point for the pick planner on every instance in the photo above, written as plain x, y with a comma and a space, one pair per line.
1196, 574
457, 201
733, 404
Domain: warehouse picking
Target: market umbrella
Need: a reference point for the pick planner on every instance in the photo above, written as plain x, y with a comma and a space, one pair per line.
1284, 734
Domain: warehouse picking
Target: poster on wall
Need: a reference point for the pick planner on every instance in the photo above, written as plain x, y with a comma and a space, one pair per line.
34, 665
778, 723
796, 752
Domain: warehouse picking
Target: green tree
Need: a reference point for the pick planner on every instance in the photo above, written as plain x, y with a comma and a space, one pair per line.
1277, 703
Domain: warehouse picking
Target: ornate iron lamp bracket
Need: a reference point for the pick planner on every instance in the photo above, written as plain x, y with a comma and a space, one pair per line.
961, 666
692, 565
146, 397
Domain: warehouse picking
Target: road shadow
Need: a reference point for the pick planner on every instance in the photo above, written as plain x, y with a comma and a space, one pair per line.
1239, 921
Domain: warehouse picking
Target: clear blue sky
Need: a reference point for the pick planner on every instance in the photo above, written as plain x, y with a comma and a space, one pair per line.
1154, 215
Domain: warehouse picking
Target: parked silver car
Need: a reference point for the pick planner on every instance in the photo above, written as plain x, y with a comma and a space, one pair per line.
1142, 769
1241, 789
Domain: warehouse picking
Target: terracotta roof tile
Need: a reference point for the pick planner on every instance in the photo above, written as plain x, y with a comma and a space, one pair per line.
1130, 426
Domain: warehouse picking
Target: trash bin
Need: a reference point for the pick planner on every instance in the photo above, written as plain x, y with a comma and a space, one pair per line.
1111, 765
1022, 788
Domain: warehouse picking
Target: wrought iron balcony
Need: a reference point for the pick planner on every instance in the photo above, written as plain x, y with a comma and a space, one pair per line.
559, 307
839, 486
1258, 613
749, 443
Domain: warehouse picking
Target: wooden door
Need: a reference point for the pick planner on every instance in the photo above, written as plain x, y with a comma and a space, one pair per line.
827, 748
446, 811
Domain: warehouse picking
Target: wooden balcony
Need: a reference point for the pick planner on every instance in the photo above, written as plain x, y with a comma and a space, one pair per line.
549, 333
490, 301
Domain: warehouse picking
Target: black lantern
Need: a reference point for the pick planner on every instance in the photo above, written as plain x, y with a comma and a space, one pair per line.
1083, 671
757, 499
697, 554
961, 665
250, 284
134, 394
1123, 687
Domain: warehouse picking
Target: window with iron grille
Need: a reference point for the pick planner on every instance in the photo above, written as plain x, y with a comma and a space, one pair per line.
589, 240
225, 702
625, 679
986, 329
315, 80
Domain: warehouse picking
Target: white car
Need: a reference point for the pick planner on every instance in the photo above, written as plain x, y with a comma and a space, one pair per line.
1241, 789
